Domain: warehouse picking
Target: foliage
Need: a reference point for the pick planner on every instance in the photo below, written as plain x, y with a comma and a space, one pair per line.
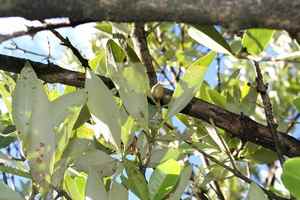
103, 143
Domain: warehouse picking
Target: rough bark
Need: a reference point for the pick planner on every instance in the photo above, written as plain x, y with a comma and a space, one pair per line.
238, 126
235, 14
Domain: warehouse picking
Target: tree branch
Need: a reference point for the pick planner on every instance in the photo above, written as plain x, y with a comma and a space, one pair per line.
262, 90
234, 124
140, 43
31, 30
234, 14
66, 42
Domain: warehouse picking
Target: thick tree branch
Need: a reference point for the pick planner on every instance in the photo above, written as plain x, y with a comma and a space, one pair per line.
234, 14
238, 126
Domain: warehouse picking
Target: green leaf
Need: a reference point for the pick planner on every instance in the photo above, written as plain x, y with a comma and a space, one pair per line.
36, 118
74, 184
94, 159
30, 109
83, 117
248, 103
6, 140
127, 131
256, 40
189, 84
8, 194
98, 63
103, 108
14, 171
208, 36
164, 179
104, 27
95, 188
217, 98
291, 176
115, 52
133, 85
62, 106
136, 181
256, 193
183, 183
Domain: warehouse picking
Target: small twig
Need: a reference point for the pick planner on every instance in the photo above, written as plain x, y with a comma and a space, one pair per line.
182, 36
293, 123
167, 78
66, 42
31, 30
262, 90
26, 51
219, 73
140, 43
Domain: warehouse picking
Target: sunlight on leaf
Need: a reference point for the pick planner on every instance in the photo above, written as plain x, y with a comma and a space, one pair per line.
208, 36
164, 179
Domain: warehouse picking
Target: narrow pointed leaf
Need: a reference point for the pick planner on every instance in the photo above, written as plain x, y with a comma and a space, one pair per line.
136, 181
189, 84
208, 36
133, 85
61, 106
30, 109
103, 108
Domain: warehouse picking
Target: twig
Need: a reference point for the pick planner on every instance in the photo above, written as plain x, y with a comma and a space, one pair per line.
66, 42
219, 73
293, 123
31, 30
167, 78
140, 43
16, 47
272, 125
